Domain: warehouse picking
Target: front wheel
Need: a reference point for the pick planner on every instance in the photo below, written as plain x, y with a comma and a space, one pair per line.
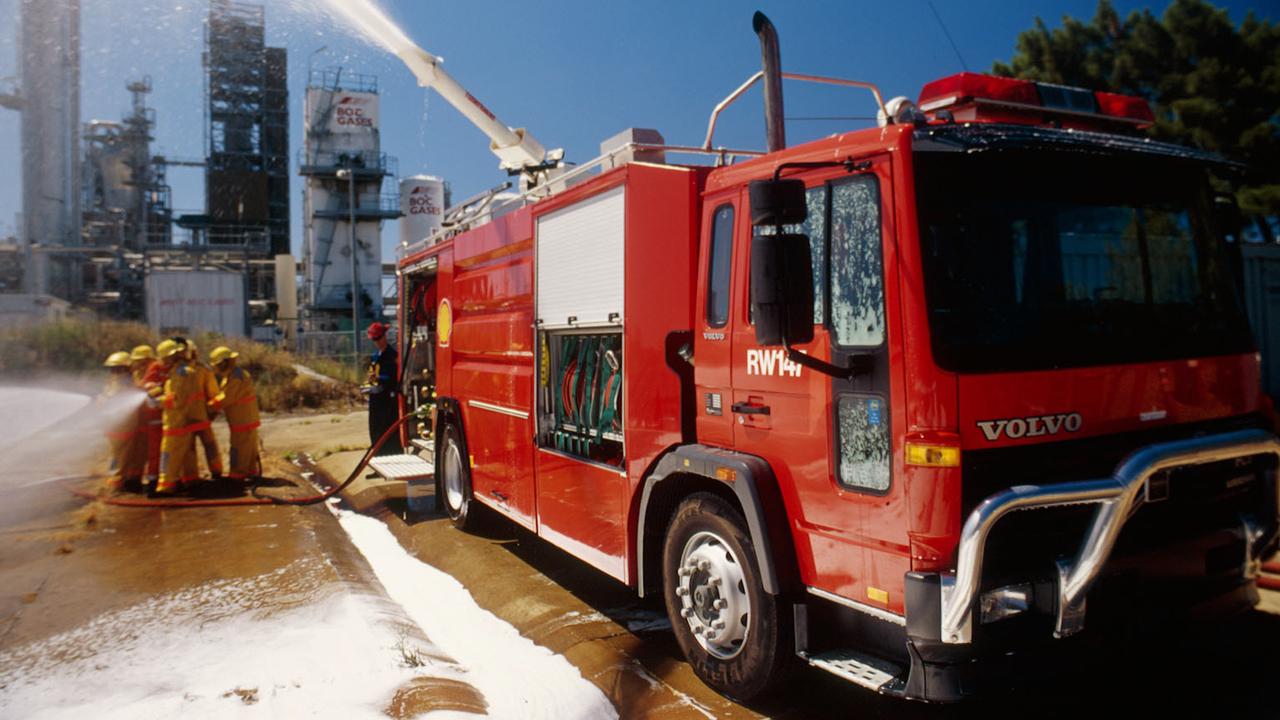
455, 479
734, 634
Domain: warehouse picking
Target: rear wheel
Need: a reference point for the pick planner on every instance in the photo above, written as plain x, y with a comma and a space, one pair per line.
734, 634
455, 479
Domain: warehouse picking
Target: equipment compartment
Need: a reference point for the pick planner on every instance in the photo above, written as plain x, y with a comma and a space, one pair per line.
580, 393
418, 363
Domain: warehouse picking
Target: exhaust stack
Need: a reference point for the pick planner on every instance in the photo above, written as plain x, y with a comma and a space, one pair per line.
774, 125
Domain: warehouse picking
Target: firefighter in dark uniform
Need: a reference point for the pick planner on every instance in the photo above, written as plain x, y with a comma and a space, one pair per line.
382, 388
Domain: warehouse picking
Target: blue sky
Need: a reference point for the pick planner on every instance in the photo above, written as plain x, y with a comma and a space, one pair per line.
573, 72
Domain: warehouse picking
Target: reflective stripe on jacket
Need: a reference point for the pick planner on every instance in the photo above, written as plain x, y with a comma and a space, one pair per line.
239, 401
183, 402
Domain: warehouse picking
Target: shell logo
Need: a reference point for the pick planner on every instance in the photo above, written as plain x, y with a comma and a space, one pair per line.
444, 323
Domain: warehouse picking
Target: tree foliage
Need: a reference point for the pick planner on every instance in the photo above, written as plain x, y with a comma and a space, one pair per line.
1211, 84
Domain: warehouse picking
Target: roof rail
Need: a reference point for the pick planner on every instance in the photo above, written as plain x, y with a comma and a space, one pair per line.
733, 96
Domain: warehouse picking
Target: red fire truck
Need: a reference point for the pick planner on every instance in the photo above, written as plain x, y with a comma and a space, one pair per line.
907, 402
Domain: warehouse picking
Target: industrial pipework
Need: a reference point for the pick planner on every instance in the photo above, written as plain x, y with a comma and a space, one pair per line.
518, 152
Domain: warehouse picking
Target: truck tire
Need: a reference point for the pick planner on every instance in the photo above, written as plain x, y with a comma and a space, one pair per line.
455, 479
734, 634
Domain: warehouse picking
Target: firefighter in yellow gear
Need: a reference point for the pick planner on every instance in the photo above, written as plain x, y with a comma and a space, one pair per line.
121, 435
182, 406
153, 384
140, 358
208, 383
148, 424
117, 365
240, 404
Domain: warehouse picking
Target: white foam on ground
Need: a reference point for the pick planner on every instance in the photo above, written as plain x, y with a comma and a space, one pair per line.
294, 650
187, 654
518, 678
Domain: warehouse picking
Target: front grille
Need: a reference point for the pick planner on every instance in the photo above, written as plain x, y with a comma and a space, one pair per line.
987, 472
1200, 500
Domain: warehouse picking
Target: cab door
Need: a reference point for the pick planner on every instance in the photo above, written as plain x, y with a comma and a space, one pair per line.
722, 224
831, 437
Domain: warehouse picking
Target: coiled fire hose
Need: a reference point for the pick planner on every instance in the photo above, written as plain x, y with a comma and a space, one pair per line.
258, 498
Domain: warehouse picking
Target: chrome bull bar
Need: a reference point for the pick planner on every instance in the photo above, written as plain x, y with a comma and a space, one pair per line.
1117, 498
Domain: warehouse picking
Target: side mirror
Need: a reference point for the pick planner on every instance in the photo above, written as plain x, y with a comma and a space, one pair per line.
777, 202
781, 288
1227, 217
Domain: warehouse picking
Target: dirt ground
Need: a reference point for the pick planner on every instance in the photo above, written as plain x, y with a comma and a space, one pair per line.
64, 561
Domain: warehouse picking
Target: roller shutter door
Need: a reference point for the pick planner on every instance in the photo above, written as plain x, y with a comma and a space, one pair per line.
580, 263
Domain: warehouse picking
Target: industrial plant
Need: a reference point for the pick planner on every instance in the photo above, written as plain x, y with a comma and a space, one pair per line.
98, 231
343, 206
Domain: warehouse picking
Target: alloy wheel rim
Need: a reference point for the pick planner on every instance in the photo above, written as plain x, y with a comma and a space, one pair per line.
453, 476
713, 595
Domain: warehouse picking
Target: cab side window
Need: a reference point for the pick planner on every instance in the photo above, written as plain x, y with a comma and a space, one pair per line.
719, 266
858, 320
857, 265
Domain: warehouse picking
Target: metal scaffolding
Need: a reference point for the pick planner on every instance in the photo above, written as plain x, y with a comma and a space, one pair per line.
247, 129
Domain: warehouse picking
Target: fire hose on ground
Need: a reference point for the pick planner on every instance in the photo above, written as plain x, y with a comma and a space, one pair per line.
256, 499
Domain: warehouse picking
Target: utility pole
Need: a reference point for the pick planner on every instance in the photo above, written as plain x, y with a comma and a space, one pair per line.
349, 175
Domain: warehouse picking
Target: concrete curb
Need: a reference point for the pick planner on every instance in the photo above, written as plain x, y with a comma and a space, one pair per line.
363, 494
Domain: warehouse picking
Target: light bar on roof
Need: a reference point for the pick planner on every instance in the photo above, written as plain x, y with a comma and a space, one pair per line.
1024, 95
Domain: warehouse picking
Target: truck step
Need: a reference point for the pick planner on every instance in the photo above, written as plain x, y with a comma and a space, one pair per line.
402, 467
859, 668
426, 445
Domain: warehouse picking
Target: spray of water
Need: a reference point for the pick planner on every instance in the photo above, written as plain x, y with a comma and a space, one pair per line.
372, 22
48, 433
375, 26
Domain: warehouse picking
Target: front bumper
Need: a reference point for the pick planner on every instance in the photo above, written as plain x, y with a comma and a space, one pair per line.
942, 609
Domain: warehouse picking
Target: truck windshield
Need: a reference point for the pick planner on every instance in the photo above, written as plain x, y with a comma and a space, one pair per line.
1037, 260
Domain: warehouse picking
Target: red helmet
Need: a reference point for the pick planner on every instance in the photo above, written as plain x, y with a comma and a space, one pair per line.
377, 330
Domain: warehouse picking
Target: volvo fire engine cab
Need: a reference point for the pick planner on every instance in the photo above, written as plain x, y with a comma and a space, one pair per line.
907, 403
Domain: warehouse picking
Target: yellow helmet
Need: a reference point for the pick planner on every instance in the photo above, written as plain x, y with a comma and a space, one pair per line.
142, 352
168, 348
117, 359
222, 354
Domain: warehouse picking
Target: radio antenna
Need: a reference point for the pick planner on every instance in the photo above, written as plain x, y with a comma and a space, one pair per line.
963, 65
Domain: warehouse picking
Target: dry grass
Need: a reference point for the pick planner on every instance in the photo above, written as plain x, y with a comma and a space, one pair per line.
80, 346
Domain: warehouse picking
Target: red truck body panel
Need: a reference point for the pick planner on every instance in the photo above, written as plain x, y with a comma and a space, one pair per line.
487, 276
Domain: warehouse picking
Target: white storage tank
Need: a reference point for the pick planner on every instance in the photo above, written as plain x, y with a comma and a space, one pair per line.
422, 207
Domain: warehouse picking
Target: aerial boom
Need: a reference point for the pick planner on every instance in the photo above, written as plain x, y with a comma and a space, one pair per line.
517, 150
